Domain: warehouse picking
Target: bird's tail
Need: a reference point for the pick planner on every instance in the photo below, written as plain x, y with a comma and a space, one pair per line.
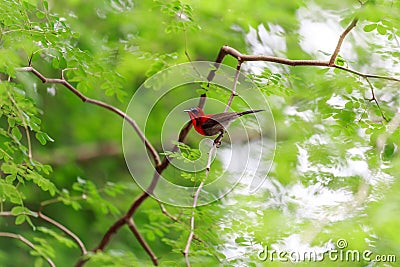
249, 111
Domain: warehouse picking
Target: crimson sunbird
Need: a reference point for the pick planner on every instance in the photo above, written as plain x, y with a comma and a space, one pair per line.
212, 124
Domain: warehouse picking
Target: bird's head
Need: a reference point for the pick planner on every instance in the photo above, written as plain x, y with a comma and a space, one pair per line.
194, 112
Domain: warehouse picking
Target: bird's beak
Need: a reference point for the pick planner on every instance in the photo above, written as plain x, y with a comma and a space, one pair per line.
186, 110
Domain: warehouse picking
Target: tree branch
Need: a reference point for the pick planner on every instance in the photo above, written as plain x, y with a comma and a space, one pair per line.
235, 81
113, 229
166, 213
25, 125
142, 241
341, 39
366, 75
227, 50
191, 234
30, 244
175, 219
373, 98
125, 116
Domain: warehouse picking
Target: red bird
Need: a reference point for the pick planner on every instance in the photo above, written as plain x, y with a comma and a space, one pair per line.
212, 124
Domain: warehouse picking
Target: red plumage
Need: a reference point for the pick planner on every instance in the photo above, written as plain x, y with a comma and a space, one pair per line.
212, 124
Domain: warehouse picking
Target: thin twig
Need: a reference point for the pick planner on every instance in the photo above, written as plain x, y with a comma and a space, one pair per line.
216, 143
64, 70
227, 50
176, 219
166, 213
25, 125
186, 45
373, 98
142, 241
58, 199
86, 99
341, 39
235, 81
366, 75
191, 234
30, 244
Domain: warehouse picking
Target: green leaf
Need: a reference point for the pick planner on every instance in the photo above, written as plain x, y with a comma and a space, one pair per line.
323, 70
381, 29
39, 136
40, 14
63, 63
11, 178
340, 61
17, 210
20, 219
9, 168
370, 27
39, 262
16, 133
43, 137
46, 5
66, 241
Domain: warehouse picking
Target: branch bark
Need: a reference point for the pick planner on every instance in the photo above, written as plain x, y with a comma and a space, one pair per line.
373, 98
235, 81
341, 39
227, 50
142, 241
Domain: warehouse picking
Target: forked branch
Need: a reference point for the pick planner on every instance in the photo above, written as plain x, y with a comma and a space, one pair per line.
341, 39
227, 50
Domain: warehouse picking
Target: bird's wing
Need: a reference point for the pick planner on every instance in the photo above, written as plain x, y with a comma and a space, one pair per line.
224, 118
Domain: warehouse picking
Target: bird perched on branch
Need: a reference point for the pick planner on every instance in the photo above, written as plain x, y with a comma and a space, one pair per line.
212, 124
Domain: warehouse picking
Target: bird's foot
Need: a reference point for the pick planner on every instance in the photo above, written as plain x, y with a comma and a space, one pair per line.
217, 142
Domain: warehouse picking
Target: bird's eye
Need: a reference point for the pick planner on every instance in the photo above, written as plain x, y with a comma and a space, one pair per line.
195, 111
